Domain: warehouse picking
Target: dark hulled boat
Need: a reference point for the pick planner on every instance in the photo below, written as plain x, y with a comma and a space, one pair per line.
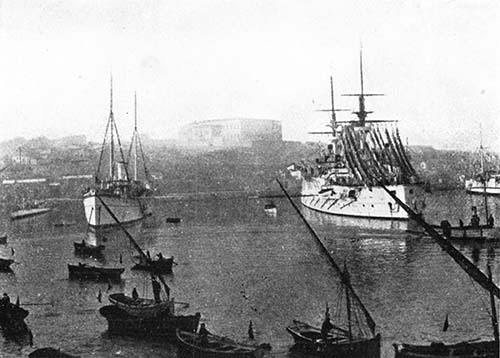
215, 346
162, 265
84, 249
348, 337
441, 350
162, 325
84, 271
12, 319
5, 264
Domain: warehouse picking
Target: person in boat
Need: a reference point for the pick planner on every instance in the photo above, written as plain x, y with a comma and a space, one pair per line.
203, 333
135, 295
491, 220
156, 289
160, 256
5, 300
474, 221
460, 223
326, 327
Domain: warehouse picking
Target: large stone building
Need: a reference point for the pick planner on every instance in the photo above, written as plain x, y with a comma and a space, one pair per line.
232, 132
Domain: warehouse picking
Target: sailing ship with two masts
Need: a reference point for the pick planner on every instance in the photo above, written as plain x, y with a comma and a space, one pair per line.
362, 153
121, 191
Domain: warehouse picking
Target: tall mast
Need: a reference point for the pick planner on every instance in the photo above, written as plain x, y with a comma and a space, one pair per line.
334, 117
362, 113
134, 139
112, 122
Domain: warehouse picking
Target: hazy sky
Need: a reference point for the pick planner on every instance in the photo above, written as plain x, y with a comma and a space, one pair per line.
437, 62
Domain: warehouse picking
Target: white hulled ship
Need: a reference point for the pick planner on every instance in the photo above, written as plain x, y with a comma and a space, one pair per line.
121, 193
362, 154
486, 182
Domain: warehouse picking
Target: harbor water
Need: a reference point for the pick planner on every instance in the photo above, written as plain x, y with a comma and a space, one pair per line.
236, 264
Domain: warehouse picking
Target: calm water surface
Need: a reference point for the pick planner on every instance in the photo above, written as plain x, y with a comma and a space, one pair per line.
236, 264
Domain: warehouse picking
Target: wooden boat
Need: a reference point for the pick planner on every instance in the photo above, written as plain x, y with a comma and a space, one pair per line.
163, 325
141, 307
50, 352
5, 264
351, 340
161, 265
440, 350
21, 214
12, 319
84, 249
337, 342
483, 349
84, 271
215, 346
270, 209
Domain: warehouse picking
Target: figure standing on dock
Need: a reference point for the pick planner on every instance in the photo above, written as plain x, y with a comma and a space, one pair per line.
491, 220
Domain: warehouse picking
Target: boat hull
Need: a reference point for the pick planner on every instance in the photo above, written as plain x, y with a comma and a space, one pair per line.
484, 349
160, 326
5, 264
12, 320
144, 308
360, 201
308, 339
159, 266
21, 214
126, 210
215, 347
94, 273
473, 186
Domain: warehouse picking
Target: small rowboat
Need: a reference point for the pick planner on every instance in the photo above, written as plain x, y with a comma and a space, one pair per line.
84, 271
216, 346
440, 350
161, 265
50, 352
141, 307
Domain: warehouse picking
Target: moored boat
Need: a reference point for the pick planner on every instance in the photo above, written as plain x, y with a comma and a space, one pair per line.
441, 350
162, 325
271, 209
141, 307
213, 346
161, 265
344, 179
5, 264
85, 271
12, 319
118, 189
